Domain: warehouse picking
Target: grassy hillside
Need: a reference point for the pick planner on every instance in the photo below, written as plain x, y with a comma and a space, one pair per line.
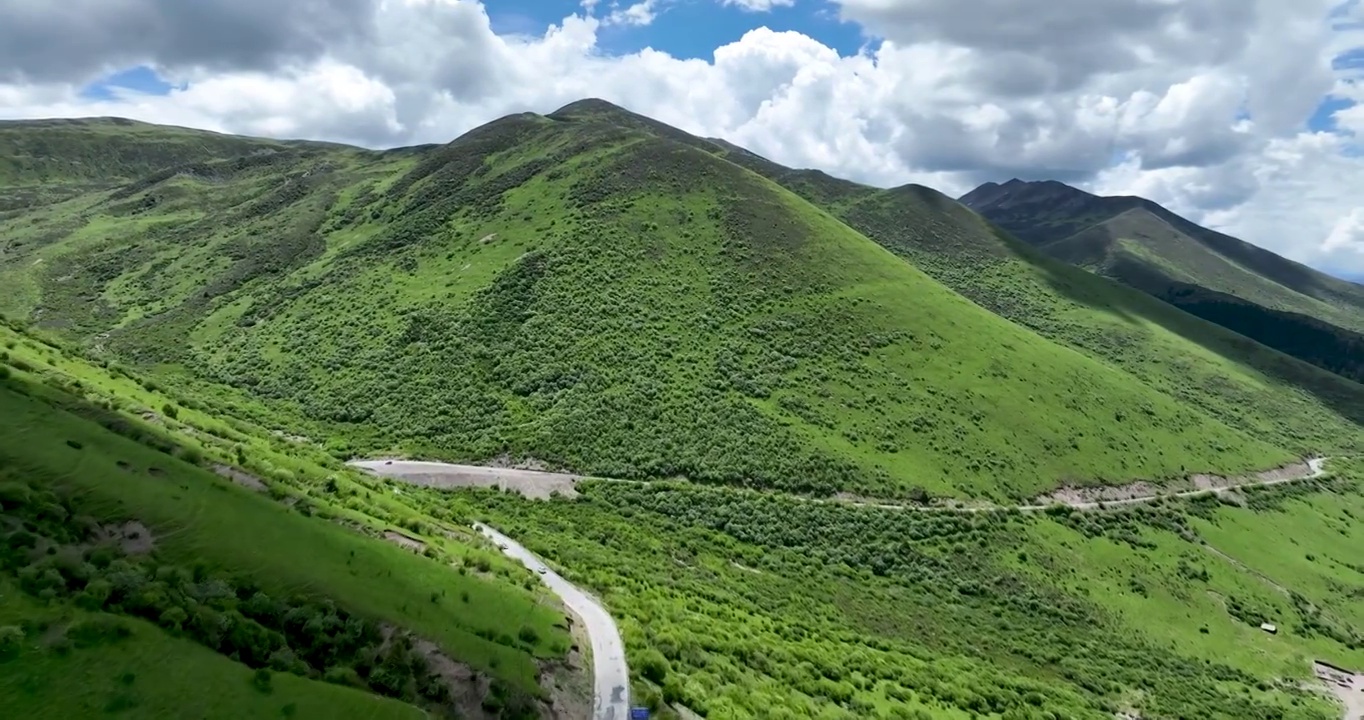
597, 291
1275, 301
148, 673
66, 479
44, 161
733, 603
1250, 386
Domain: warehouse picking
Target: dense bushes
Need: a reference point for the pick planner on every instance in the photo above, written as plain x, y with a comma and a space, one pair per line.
57, 554
750, 605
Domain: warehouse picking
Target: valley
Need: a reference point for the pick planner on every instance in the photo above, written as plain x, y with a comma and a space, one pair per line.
785, 446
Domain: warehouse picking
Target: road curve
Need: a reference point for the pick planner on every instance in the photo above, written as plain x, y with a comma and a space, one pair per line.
610, 675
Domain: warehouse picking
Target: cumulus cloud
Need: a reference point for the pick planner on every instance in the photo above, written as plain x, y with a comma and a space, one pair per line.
1195, 103
41, 40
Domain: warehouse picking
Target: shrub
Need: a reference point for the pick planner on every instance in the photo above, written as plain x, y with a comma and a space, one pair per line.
261, 680
191, 455
528, 635
343, 675
11, 641
98, 630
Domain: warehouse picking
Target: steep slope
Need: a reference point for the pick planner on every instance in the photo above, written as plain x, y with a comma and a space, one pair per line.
597, 291
1245, 384
46, 160
1273, 300
128, 513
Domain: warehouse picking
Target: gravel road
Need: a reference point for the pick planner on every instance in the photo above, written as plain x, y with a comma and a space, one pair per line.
531, 483
611, 676
539, 485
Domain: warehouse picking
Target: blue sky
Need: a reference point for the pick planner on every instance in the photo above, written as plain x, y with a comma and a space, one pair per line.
687, 29
683, 28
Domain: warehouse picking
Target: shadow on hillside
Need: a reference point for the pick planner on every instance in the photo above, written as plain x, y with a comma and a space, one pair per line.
892, 219
1343, 396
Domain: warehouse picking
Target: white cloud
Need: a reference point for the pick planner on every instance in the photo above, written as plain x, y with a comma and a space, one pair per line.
758, 5
640, 13
1203, 100
1347, 233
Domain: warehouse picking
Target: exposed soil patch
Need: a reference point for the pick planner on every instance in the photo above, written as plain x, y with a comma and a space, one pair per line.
569, 683
533, 484
1191, 484
1346, 685
467, 688
132, 536
569, 687
404, 541
241, 477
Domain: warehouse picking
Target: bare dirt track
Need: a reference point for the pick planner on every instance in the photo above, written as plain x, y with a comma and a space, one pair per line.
533, 484
539, 485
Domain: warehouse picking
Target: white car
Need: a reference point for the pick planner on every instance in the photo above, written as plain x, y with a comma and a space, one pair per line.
542, 570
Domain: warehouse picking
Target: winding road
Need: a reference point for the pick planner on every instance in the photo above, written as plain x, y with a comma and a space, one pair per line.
610, 675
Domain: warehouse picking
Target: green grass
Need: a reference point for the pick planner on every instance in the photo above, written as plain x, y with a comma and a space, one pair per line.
198, 516
1248, 386
150, 674
1309, 544
603, 293
752, 605
1282, 304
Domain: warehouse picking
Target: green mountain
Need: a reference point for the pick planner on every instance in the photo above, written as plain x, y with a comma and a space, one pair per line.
1243, 383
1278, 302
137, 573
597, 291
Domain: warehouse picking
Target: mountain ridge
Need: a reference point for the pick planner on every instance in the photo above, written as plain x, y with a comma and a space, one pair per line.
530, 256
601, 292
1274, 300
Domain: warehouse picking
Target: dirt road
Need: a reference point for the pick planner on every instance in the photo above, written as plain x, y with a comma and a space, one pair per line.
531, 483
539, 485
610, 675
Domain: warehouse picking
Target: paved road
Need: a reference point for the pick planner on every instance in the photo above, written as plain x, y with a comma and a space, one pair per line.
611, 676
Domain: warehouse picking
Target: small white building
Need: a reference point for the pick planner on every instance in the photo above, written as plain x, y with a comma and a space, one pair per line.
1269, 628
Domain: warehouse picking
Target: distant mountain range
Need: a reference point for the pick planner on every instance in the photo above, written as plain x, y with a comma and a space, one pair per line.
1284, 304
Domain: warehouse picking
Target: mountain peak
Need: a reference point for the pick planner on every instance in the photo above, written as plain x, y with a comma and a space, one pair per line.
588, 107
